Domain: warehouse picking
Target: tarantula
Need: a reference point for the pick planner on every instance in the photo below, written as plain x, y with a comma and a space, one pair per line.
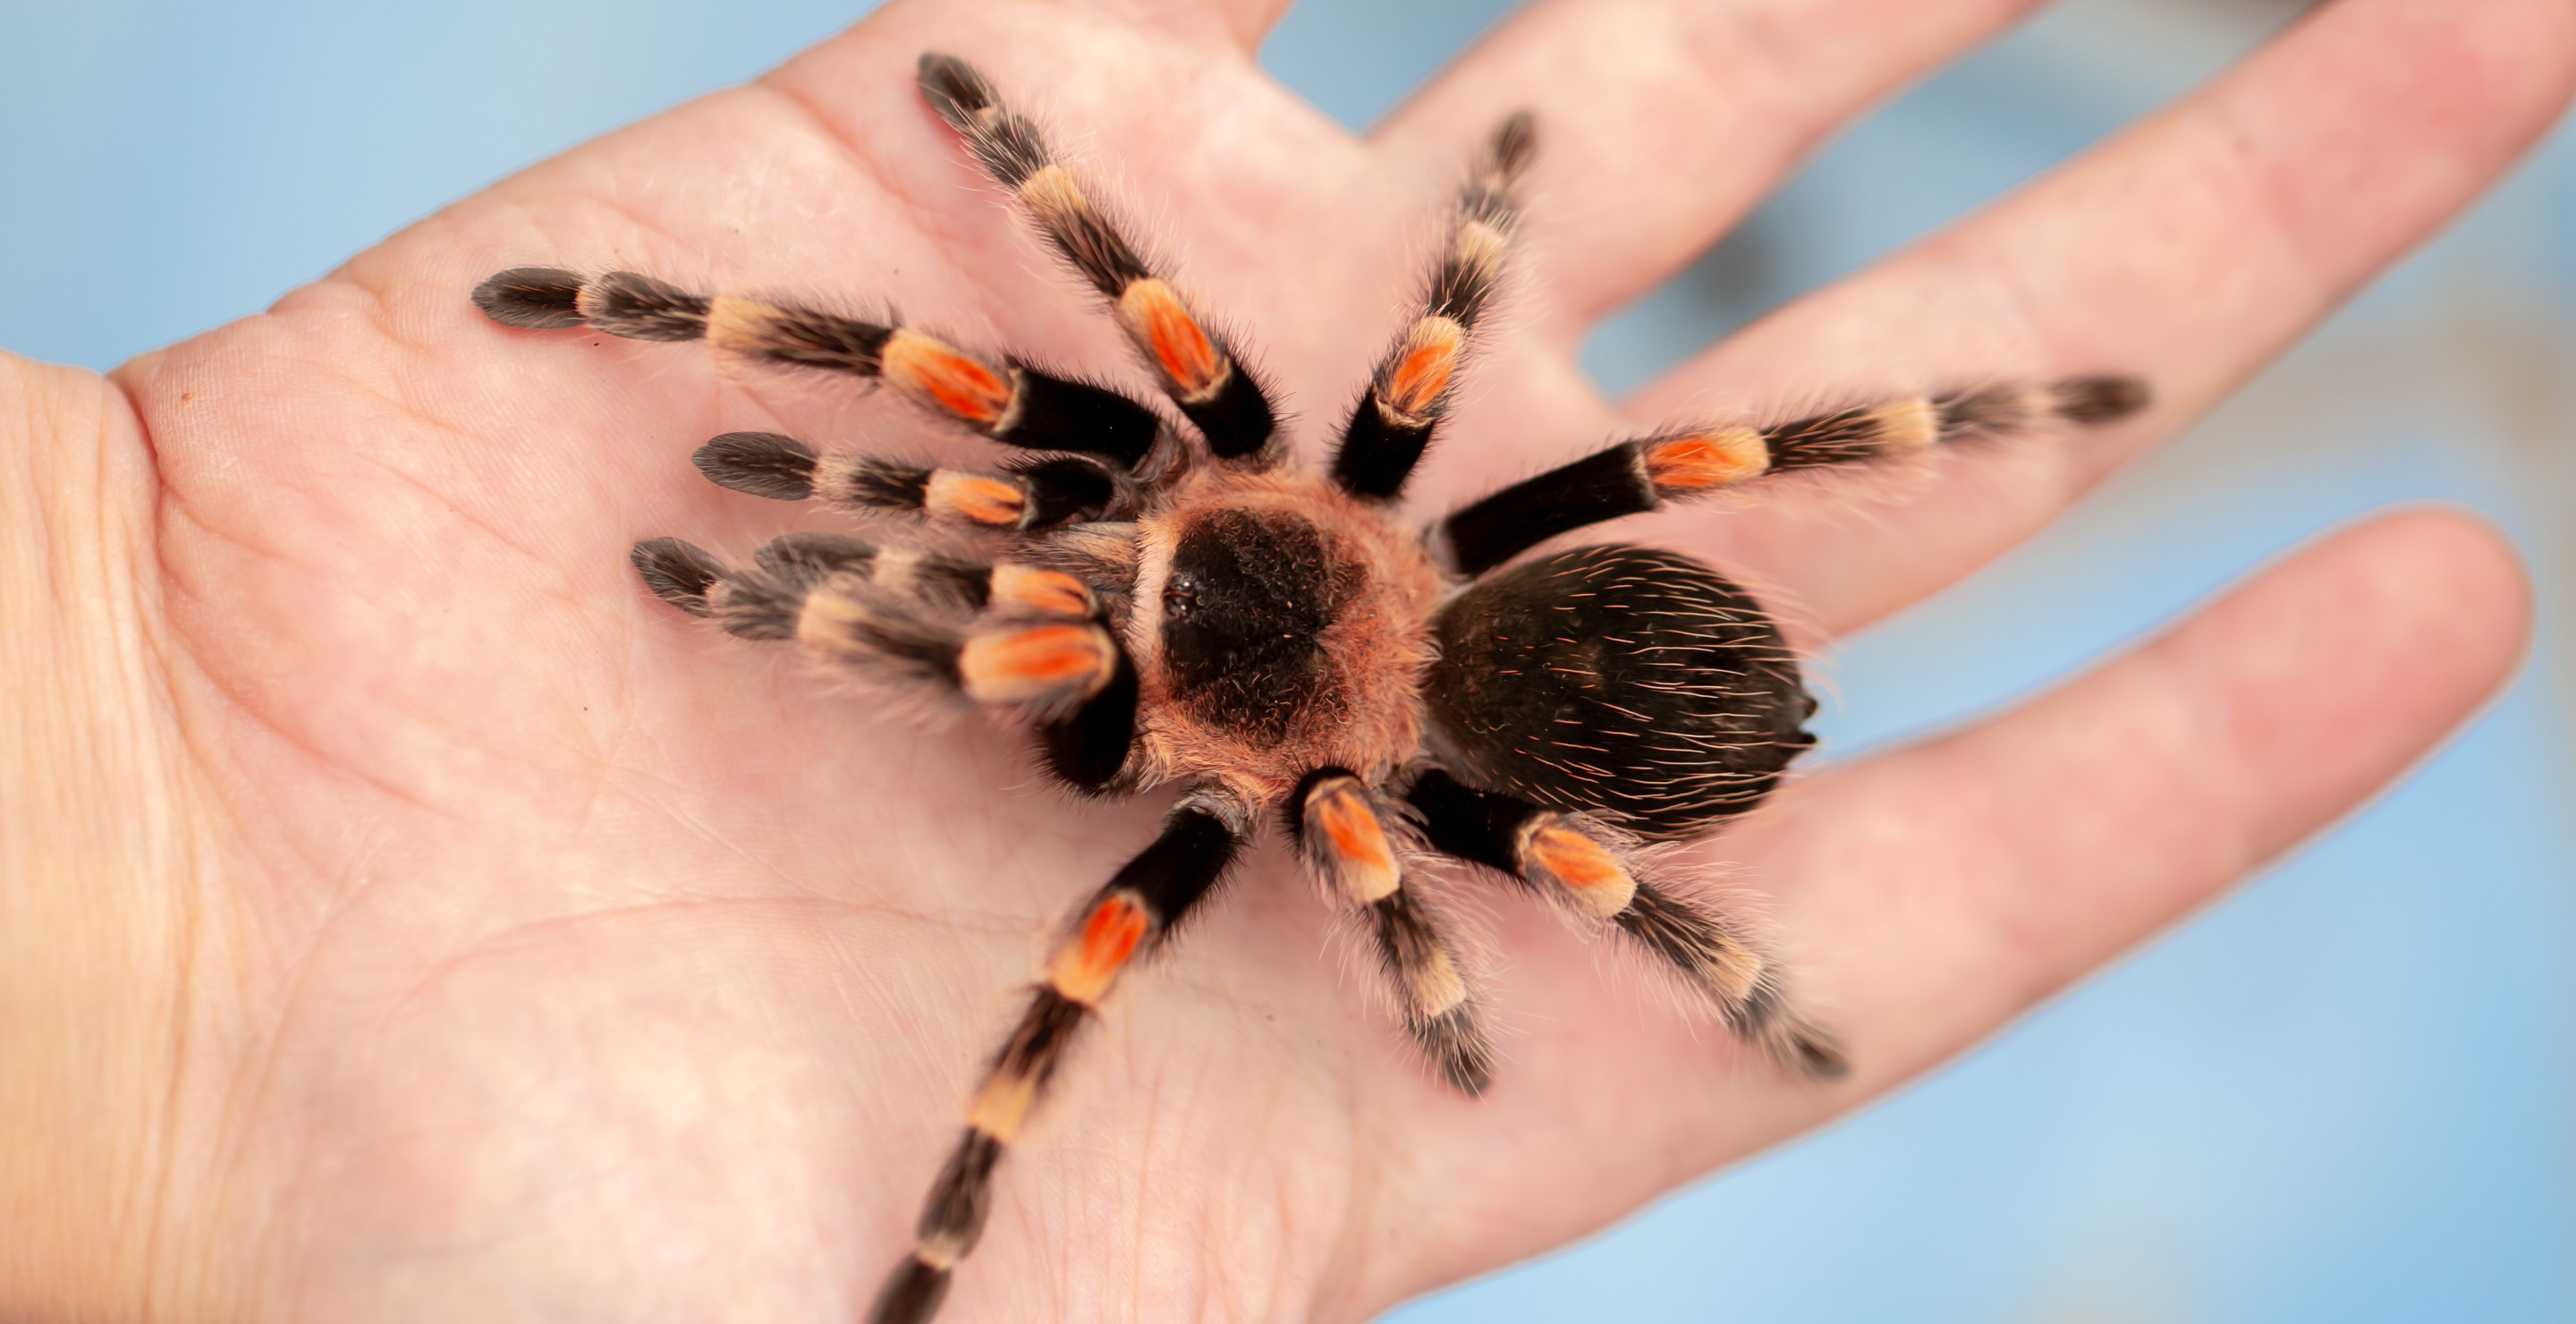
1210, 614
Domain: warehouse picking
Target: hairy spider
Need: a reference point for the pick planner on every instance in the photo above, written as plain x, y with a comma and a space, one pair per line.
1212, 615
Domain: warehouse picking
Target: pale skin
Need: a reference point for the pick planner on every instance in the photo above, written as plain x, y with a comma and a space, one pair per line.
404, 916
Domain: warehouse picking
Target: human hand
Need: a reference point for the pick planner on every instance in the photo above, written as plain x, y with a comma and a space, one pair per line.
417, 917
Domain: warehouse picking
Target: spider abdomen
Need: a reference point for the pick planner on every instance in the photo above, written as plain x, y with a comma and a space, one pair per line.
1636, 683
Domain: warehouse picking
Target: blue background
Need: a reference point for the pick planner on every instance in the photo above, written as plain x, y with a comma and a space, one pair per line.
2344, 1093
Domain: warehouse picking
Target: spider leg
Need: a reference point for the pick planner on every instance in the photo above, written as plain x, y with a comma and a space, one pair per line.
1341, 830
1198, 368
1639, 475
1009, 402
1392, 424
1126, 921
1037, 650
804, 560
1029, 497
1589, 870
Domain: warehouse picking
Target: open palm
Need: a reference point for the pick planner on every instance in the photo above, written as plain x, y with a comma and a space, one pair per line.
485, 940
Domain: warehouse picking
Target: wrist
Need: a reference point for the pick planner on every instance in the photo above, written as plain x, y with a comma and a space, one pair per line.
101, 846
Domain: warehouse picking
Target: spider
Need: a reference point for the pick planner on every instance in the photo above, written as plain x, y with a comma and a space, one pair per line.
1192, 608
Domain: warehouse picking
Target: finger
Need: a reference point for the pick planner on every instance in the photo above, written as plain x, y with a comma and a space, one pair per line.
1662, 120
2187, 251
1989, 869
1237, 23
1943, 889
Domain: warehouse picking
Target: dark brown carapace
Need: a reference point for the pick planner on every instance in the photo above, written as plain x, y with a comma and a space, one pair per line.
1170, 605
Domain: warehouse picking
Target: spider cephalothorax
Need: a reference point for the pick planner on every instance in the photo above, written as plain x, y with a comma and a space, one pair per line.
1190, 608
